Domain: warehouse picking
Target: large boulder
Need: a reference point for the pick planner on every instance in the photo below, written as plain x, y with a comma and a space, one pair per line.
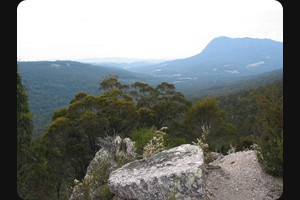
177, 173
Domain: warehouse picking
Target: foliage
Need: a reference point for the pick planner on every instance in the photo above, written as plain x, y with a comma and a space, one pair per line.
206, 114
245, 142
225, 135
270, 120
24, 120
231, 150
156, 144
110, 82
141, 137
24, 135
202, 143
171, 142
34, 180
241, 109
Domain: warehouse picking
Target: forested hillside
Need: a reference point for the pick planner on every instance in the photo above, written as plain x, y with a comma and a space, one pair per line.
235, 85
51, 85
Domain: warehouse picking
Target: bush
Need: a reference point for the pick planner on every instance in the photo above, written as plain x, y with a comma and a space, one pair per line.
156, 144
246, 142
174, 142
270, 120
141, 137
270, 156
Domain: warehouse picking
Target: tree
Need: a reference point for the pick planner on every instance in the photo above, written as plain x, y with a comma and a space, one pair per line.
206, 114
241, 109
170, 105
24, 134
36, 182
71, 138
24, 122
142, 94
110, 82
56, 139
120, 111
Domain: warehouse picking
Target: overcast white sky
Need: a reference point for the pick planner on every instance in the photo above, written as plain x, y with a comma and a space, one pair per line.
147, 29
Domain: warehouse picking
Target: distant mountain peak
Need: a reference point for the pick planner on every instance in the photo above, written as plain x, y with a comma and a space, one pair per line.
223, 57
229, 47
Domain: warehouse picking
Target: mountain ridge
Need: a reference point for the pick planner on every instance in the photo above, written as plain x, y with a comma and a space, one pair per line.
222, 51
222, 59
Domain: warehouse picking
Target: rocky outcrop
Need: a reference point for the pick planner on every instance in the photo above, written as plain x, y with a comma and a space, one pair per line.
93, 185
88, 186
177, 173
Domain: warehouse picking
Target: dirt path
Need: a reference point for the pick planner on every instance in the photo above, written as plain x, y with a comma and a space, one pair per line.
238, 176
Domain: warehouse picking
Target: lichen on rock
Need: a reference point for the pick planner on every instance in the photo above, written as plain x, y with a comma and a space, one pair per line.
177, 172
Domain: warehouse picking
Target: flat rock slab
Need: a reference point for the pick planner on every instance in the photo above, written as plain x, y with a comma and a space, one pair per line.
177, 173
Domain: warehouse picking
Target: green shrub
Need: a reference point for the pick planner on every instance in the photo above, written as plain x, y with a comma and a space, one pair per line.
270, 120
141, 137
245, 142
270, 156
174, 142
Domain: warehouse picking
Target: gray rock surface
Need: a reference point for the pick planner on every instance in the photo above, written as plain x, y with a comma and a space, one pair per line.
177, 173
129, 148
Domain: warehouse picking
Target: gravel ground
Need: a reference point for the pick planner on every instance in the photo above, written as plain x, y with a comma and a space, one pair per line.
238, 176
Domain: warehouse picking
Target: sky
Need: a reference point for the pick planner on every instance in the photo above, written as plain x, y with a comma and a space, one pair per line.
143, 29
